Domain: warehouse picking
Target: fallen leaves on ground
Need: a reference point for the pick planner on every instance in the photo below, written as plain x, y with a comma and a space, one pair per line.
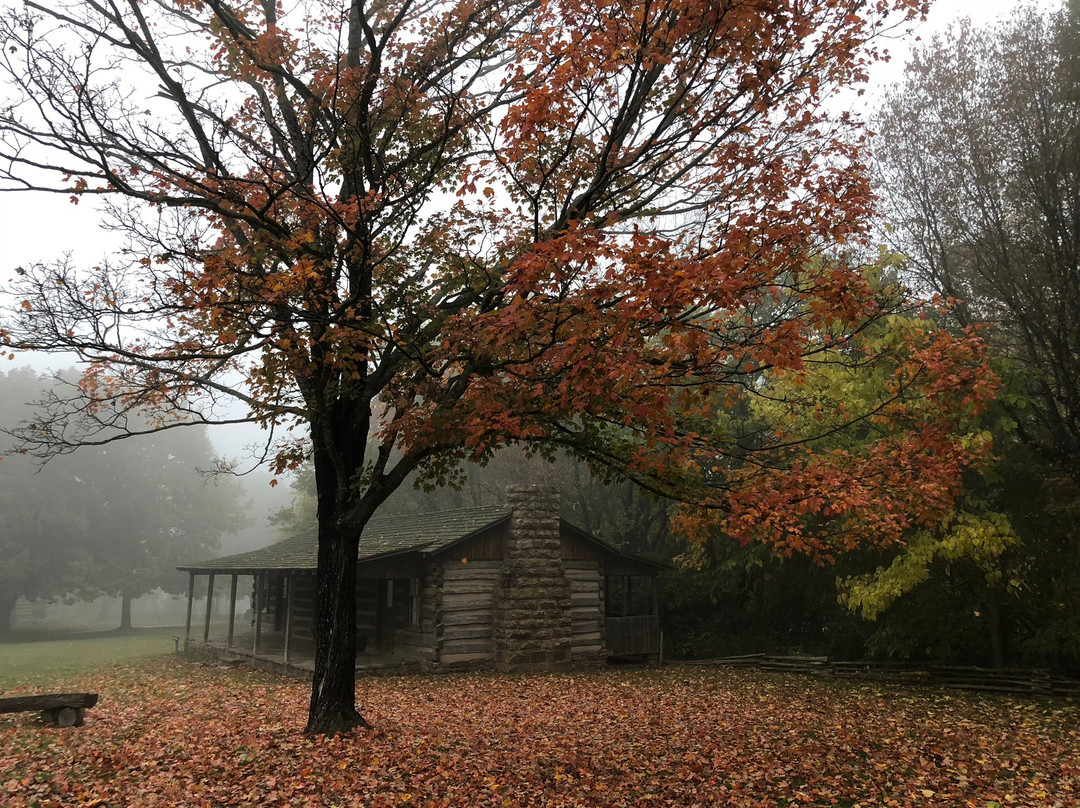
171, 733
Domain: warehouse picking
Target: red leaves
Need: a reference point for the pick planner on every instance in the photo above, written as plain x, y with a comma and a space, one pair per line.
873, 437
187, 736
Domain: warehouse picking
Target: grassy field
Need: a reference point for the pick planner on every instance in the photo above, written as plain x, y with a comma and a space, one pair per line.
37, 660
171, 733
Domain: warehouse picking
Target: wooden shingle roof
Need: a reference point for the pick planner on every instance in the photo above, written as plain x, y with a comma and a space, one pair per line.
383, 536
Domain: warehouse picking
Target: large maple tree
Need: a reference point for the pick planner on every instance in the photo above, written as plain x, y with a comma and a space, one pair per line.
449, 224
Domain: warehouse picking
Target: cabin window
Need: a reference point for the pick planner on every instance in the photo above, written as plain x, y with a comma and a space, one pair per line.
414, 601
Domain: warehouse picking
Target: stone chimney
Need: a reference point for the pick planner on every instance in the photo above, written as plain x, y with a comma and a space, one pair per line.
532, 620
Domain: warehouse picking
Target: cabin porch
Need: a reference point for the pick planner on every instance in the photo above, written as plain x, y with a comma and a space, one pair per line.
300, 662
275, 632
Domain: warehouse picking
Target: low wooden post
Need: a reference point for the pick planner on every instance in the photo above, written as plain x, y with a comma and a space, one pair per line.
190, 601
288, 612
656, 617
259, 583
232, 609
209, 608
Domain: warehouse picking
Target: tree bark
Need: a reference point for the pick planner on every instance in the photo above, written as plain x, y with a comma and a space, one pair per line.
333, 686
125, 611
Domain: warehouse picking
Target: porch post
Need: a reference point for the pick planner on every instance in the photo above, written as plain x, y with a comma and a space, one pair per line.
288, 612
380, 600
209, 608
232, 609
259, 583
190, 600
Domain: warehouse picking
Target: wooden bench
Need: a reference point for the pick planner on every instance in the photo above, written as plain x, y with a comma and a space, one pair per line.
63, 709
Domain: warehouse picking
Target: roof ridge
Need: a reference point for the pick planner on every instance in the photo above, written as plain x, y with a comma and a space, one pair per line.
446, 512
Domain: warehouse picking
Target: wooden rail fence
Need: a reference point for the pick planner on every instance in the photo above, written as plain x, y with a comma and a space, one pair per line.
1038, 683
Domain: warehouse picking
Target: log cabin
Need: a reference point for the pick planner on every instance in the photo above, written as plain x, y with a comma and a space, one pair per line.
513, 588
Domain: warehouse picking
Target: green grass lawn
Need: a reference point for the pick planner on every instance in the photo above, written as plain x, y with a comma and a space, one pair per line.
27, 662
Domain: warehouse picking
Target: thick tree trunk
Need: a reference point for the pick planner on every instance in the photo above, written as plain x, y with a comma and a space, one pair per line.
333, 687
125, 611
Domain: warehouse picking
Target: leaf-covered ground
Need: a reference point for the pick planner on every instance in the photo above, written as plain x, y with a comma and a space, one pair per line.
169, 733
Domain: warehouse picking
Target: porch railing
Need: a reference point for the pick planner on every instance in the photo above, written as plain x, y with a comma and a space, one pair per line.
632, 636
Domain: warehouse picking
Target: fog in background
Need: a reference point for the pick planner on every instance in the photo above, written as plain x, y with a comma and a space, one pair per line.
42, 227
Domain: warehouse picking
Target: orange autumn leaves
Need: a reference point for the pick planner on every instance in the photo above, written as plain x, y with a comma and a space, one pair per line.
177, 735
582, 225
863, 451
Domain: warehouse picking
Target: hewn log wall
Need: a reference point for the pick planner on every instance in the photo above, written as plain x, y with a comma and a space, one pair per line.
303, 611
367, 593
414, 640
586, 610
463, 621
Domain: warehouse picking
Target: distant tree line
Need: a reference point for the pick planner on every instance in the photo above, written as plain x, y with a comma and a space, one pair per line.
979, 173
112, 519
978, 169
